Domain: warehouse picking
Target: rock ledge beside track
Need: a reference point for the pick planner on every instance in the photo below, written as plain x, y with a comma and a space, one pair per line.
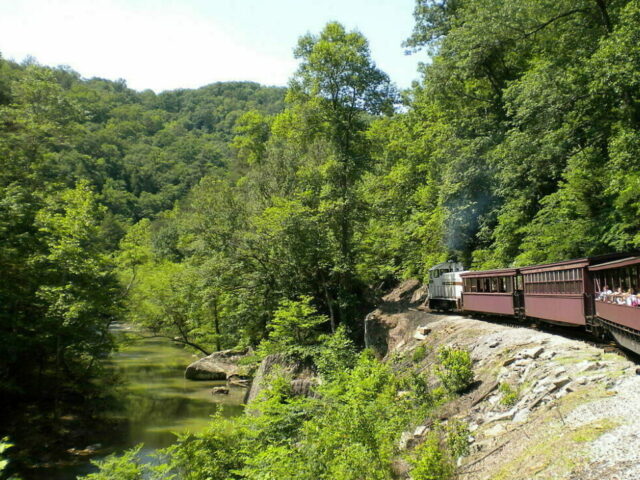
574, 411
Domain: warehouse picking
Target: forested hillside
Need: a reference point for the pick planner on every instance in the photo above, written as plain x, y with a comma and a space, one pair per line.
519, 146
81, 162
237, 216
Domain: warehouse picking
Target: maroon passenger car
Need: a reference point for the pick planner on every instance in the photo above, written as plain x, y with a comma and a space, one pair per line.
557, 292
562, 292
617, 305
492, 291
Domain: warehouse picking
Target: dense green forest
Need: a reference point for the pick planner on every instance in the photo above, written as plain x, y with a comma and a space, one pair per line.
82, 162
235, 214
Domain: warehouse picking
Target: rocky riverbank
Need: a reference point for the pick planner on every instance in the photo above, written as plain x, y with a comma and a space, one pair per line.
543, 405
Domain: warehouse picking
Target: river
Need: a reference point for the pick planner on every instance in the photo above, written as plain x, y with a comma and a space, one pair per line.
151, 402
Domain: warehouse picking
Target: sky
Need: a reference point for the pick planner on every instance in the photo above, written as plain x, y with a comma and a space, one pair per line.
169, 44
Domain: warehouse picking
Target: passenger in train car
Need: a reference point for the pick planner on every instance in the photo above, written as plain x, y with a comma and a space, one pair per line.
605, 294
631, 299
618, 296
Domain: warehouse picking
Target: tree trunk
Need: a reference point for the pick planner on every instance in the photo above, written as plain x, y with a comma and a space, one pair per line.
330, 305
216, 324
606, 20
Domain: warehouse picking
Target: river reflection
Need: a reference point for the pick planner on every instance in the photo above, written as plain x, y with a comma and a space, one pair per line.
149, 400
155, 398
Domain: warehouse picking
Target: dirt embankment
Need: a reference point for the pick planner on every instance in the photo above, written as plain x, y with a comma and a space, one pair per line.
543, 405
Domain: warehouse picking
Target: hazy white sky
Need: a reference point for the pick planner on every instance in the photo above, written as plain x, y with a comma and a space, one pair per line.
167, 44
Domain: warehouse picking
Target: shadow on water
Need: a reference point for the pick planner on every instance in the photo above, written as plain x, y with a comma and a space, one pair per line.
146, 399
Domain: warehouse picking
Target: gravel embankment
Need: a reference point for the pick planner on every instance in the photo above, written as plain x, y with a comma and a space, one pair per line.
574, 411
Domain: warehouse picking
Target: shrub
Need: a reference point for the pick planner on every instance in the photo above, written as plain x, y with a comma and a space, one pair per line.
336, 354
432, 462
509, 394
214, 454
457, 438
419, 354
454, 369
294, 329
122, 467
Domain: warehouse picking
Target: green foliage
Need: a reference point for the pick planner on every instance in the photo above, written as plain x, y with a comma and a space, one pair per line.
419, 354
435, 458
457, 438
431, 461
336, 354
509, 395
349, 431
80, 161
215, 454
293, 329
127, 466
454, 368
4, 446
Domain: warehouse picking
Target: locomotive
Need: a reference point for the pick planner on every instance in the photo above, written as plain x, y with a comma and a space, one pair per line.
597, 294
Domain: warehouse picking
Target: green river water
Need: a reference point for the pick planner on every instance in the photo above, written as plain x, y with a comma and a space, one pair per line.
153, 401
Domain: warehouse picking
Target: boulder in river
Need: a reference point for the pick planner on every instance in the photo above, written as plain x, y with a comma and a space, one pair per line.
218, 366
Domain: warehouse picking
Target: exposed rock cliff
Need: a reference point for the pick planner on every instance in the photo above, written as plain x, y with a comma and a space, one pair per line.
543, 406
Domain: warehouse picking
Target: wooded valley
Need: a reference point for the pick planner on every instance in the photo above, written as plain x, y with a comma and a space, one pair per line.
244, 216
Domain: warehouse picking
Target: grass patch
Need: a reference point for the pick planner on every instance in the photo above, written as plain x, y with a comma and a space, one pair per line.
510, 395
591, 431
419, 354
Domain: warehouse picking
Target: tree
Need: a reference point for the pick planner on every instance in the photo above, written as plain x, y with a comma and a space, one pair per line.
78, 288
339, 86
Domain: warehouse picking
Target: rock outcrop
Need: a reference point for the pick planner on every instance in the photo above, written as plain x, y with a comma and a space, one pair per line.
218, 366
543, 405
390, 325
303, 379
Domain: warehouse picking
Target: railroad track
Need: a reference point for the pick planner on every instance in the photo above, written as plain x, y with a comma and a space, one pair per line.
573, 333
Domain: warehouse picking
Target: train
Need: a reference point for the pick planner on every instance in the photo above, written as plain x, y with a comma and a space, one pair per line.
597, 294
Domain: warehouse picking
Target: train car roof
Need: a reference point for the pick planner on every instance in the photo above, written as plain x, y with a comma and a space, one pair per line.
575, 263
444, 265
623, 262
547, 267
498, 272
